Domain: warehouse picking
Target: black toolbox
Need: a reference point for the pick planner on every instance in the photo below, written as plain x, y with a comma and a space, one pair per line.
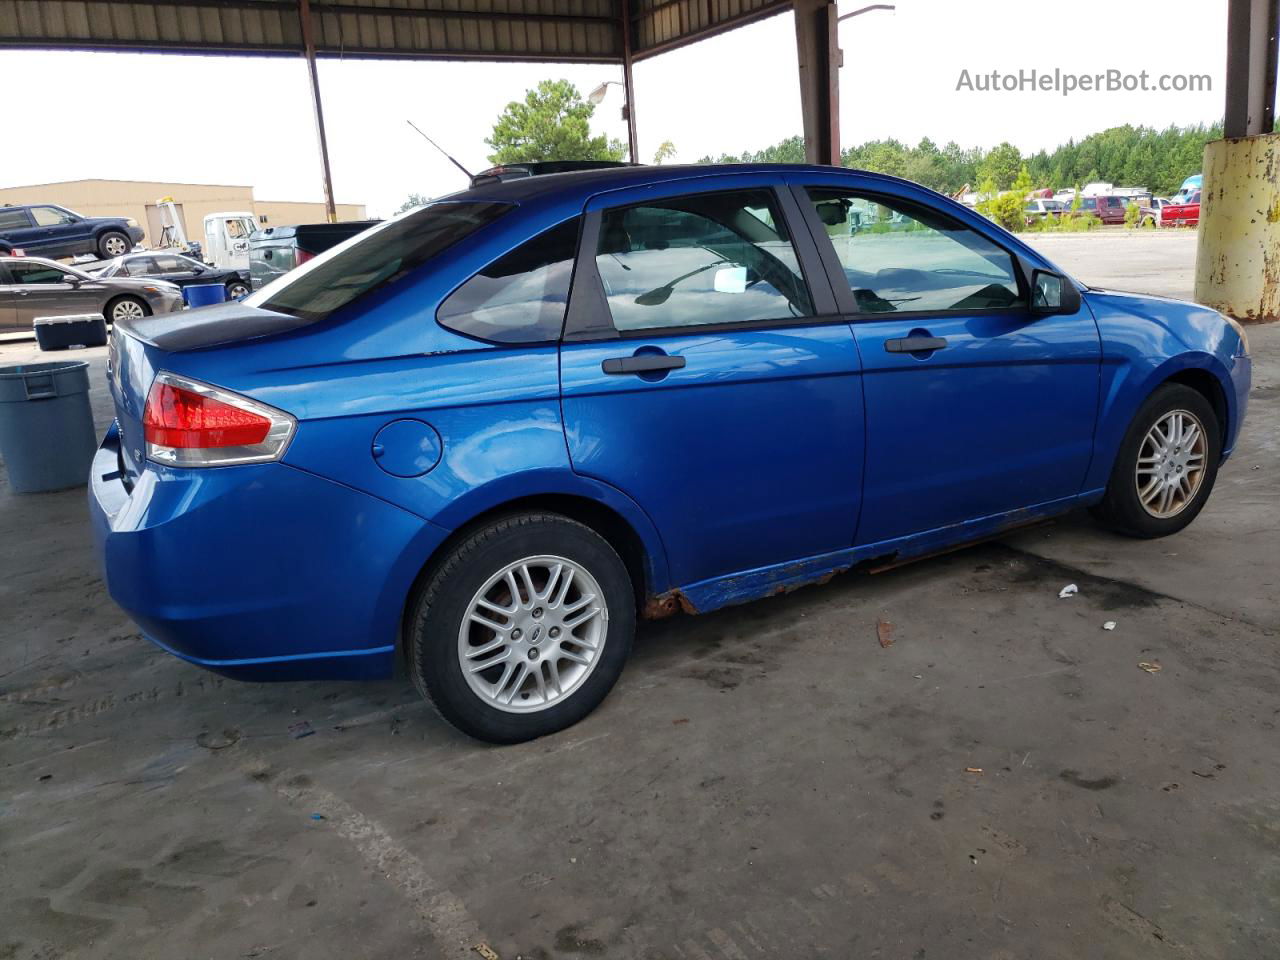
58, 333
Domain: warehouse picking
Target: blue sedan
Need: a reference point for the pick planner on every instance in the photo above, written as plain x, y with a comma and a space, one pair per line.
477, 442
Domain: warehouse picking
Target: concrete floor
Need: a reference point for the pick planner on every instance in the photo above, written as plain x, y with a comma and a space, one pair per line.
1002, 782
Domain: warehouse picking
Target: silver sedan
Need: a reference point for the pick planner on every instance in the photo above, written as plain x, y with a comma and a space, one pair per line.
32, 287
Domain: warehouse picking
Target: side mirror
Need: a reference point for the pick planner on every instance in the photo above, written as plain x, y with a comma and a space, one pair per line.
72, 279
1053, 293
730, 280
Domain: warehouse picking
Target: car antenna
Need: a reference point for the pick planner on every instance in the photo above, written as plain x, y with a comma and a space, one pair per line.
440, 148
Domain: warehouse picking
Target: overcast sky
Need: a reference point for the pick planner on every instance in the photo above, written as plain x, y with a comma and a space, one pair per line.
248, 120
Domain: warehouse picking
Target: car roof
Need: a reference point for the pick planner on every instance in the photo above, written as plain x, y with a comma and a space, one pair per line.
581, 184
26, 259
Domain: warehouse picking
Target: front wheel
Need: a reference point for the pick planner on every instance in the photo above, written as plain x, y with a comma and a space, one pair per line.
237, 290
1166, 465
113, 244
125, 308
523, 628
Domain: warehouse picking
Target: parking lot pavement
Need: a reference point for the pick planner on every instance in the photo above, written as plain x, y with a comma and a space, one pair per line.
1004, 781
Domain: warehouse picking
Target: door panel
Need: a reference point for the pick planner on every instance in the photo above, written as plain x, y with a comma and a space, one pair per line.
8, 308
748, 455
999, 419
718, 402
975, 407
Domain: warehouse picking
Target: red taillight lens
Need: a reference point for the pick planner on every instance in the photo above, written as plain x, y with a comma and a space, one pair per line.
187, 423
184, 419
302, 256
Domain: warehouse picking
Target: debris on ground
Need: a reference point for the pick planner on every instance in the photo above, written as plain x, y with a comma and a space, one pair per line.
486, 951
679, 721
216, 741
1070, 590
1109, 625
884, 632
1153, 667
300, 729
318, 816
977, 770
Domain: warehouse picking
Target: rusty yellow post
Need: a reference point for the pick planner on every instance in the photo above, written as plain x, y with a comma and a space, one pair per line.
1238, 255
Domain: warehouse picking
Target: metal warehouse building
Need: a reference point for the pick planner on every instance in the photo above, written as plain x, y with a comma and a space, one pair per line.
139, 199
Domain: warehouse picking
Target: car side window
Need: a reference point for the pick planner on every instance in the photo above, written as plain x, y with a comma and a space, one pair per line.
170, 265
520, 297
34, 273
13, 219
139, 267
707, 259
900, 258
49, 216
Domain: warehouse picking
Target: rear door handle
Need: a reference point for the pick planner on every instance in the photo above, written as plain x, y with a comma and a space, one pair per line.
915, 344
642, 363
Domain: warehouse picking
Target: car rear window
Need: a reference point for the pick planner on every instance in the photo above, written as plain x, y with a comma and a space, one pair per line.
373, 259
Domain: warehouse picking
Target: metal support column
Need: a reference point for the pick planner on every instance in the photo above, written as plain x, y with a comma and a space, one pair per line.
1238, 247
309, 50
818, 45
629, 108
1251, 67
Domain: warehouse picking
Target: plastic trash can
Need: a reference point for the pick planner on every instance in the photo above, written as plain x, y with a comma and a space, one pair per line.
82, 329
47, 437
204, 294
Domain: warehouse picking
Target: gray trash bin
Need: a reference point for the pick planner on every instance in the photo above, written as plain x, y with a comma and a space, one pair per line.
47, 437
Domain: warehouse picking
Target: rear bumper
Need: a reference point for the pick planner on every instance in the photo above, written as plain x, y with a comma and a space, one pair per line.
260, 572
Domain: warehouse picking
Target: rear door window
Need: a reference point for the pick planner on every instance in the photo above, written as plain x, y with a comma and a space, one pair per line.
374, 259
521, 297
14, 219
712, 258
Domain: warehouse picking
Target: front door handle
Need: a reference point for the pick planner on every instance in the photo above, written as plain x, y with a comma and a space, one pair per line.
915, 344
642, 363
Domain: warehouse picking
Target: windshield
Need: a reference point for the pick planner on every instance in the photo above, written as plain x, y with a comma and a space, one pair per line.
374, 258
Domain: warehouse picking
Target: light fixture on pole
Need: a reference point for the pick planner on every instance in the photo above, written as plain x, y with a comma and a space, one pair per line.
597, 96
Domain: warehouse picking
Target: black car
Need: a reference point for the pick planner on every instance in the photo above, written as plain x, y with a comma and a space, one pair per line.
175, 268
48, 230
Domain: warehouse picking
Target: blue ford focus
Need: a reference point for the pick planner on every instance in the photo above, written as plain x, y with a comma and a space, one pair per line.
478, 441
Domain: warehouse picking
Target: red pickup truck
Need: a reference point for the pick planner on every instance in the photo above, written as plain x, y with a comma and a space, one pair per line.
1185, 214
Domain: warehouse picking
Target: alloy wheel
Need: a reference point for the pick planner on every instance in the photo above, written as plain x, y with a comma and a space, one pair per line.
533, 634
116, 247
127, 310
1171, 464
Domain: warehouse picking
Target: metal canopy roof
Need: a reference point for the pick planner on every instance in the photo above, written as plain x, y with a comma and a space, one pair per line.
548, 30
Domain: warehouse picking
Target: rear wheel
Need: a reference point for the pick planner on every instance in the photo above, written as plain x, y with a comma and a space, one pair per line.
1166, 466
523, 628
126, 308
113, 244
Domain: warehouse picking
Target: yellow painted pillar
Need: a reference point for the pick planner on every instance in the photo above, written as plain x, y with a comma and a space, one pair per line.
1238, 252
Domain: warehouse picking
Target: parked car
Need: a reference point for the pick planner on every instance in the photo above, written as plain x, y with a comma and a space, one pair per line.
33, 287
485, 436
1108, 209
1038, 209
1185, 214
274, 251
47, 230
1149, 214
175, 268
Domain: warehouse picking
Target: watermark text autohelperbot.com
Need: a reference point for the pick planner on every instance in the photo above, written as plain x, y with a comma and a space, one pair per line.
1065, 82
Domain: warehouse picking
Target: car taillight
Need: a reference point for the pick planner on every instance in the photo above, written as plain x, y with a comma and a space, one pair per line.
192, 424
302, 256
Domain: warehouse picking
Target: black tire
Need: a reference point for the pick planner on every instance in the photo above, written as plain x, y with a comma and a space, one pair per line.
237, 289
1121, 509
112, 239
442, 601
109, 310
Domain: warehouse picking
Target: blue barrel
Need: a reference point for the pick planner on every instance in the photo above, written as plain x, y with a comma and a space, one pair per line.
204, 294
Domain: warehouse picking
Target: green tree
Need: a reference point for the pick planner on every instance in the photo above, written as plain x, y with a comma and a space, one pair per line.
1001, 165
664, 153
414, 200
552, 122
